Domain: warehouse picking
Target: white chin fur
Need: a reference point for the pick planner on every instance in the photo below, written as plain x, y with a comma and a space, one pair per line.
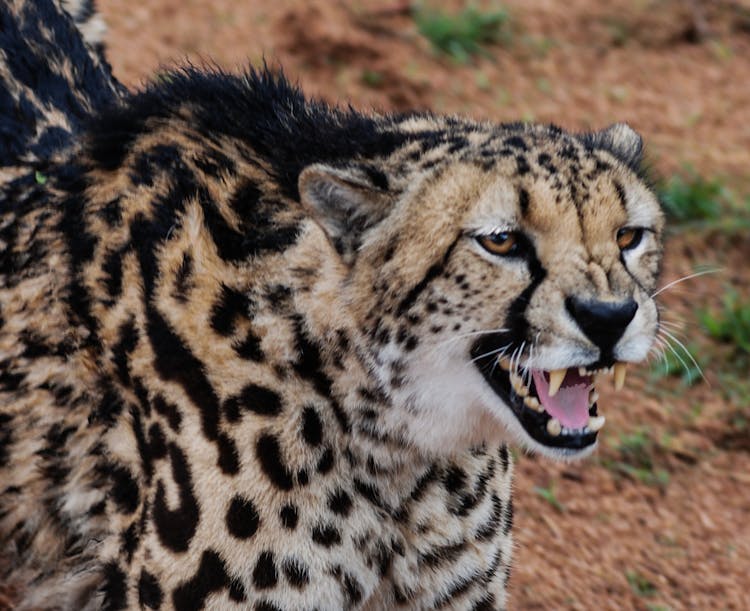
447, 406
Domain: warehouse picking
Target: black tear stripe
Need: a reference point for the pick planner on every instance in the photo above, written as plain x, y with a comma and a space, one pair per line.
210, 577
432, 273
176, 528
515, 320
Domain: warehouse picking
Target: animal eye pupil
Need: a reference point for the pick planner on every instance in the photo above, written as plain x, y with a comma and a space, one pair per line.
629, 237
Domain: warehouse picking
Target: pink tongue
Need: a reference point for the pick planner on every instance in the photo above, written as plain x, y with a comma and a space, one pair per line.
571, 403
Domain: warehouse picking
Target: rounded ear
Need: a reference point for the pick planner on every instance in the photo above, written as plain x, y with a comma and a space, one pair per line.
619, 139
344, 201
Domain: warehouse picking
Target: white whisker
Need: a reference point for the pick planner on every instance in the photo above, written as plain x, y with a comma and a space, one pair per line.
684, 278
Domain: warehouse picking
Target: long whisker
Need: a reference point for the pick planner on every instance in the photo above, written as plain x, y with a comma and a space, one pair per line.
684, 278
687, 352
469, 334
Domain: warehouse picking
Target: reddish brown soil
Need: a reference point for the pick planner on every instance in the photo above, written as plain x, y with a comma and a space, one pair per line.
614, 541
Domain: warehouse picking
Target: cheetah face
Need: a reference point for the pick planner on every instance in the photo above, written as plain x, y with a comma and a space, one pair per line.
506, 295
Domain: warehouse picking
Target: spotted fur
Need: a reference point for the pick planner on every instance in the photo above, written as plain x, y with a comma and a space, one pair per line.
236, 346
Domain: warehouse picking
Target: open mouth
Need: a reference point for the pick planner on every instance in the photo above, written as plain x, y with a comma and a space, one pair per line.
558, 408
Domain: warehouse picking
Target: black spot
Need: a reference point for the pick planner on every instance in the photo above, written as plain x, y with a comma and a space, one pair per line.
242, 518
523, 201
516, 142
127, 340
264, 605
376, 176
352, 589
130, 538
176, 528
253, 398
309, 366
326, 535
125, 491
114, 588
325, 463
312, 428
369, 491
112, 267
175, 362
504, 457
237, 592
508, 517
182, 279
6, 438
302, 477
264, 573
149, 592
522, 165
249, 348
289, 516
169, 411
295, 572
232, 304
268, 453
157, 441
339, 502
442, 554
621, 197
229, 457
210, 577
455, 479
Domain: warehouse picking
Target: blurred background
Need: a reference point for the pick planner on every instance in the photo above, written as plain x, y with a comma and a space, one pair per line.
659, 518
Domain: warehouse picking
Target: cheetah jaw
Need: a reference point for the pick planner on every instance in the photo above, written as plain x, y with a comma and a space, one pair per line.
557, 409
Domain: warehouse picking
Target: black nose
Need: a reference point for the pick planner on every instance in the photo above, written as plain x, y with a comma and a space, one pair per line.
603, 322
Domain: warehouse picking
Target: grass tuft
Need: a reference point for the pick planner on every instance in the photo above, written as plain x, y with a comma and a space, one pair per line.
731, 324
464, 34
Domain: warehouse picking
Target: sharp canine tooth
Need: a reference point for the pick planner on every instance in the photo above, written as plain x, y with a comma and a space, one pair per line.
620, 371
596, 423
556, 377
593, 397
554, 427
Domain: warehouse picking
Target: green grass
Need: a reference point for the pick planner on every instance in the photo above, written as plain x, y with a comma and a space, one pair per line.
464, 34
731, 323
640, 584
548, 494
693, 198
636, 459
692, 201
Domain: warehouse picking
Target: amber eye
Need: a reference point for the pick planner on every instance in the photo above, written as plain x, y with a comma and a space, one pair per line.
501, 243
629, 237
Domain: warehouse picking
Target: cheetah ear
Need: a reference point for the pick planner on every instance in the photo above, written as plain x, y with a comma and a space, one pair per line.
346, 202
621, 140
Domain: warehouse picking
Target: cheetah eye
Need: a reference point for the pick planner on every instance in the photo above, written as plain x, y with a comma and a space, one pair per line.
629, 237
503, 243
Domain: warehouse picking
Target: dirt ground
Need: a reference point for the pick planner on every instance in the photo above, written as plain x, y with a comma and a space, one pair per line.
660, 517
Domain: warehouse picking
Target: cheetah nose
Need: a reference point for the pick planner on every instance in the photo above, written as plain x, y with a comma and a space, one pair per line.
603, 322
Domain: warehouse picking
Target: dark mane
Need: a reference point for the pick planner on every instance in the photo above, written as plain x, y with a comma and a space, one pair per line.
261, 108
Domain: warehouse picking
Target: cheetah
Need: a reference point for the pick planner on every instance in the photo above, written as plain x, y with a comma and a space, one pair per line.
260, 352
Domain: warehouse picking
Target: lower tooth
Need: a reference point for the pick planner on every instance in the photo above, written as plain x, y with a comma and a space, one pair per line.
533, 403
596, 423
554, 427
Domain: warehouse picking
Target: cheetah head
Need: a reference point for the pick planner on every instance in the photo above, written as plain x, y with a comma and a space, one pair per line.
497, 277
